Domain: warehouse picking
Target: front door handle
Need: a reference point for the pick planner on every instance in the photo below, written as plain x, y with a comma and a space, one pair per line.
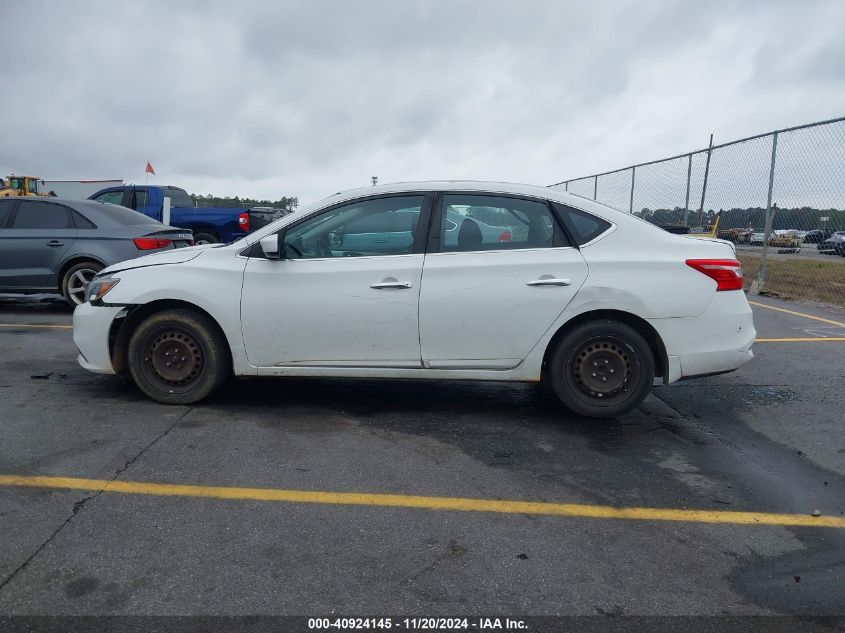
55, 243
549, 281
390, 284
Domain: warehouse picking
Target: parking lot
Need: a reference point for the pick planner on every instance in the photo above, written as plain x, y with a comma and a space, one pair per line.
369, 497
807, 251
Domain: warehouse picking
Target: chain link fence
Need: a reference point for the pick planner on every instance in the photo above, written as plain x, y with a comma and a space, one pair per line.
780, 197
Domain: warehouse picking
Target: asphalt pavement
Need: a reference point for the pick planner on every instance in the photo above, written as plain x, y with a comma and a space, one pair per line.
767, 439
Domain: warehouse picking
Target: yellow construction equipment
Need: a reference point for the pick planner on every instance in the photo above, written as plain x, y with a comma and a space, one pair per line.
711, 230
22, 186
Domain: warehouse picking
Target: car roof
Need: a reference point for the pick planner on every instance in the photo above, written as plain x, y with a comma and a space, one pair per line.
453, 185
480, 186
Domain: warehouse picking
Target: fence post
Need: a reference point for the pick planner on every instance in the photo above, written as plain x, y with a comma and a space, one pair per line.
633, 175
595, 187
566, 186
704, 185
769, 216
686, 202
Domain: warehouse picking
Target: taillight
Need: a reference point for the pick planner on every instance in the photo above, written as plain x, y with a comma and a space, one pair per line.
243, 221
150, 243
726, 272
505, 236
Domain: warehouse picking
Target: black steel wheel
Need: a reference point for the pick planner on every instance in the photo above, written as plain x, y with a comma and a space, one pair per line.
178, 357
601, 369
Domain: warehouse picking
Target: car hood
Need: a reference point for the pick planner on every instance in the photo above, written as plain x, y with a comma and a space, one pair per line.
176, 256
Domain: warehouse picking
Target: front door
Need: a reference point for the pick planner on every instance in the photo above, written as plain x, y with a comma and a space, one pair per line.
346, 292
502, 272
33, 245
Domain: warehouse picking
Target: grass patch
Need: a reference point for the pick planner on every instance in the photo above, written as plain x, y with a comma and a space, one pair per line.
799, 278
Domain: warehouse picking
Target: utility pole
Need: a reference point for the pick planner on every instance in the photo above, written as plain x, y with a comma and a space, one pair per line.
375, 180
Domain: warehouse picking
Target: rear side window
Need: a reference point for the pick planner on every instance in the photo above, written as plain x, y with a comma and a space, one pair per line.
471, 222
41, 215
584, 226
178, 197
5, 209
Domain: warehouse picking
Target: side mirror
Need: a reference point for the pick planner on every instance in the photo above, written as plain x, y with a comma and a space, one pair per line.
272, 245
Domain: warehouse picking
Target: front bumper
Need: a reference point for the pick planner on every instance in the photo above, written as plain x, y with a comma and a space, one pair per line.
91, 326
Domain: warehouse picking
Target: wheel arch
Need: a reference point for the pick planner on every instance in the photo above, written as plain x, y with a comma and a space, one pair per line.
122, 328
202, 227
655, 343
73, 261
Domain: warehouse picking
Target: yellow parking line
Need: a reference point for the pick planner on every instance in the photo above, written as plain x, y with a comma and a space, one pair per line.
801, 314
37, 325
424, 503
808, 339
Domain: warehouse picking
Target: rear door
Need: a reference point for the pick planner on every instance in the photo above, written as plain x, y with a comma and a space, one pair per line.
488, 296
34, 243
146, 200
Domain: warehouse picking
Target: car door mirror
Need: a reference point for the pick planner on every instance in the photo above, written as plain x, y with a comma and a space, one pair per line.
271, 245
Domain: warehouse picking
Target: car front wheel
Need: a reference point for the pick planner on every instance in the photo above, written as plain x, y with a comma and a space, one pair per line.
178, 357
601, 369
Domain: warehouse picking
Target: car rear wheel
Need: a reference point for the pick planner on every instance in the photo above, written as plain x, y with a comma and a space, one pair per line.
76, 279
178, 357
601, 369
205, 238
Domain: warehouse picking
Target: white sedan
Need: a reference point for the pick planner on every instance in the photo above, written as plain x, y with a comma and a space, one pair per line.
593, 301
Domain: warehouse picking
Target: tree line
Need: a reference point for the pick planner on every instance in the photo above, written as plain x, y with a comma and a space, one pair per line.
200, 200
800, 218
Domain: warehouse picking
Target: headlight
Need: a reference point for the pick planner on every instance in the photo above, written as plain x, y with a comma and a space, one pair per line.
99, 287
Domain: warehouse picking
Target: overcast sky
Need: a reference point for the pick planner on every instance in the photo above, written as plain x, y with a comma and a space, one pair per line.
266, 99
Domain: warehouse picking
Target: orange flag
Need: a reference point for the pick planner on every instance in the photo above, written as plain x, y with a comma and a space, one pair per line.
150, 169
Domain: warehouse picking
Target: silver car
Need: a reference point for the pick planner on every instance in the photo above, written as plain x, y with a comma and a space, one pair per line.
52, 245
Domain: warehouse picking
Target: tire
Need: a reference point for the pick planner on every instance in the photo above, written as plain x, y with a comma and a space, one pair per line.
206, 238
623, 363
76, 280
196, 344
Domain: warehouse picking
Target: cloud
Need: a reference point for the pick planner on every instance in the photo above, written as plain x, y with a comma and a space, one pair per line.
307, 98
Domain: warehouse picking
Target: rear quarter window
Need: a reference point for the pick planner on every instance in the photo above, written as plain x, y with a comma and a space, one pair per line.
81, 221
585, 227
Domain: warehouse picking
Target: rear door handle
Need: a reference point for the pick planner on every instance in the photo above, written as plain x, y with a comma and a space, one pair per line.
55, 243
549, 281
390, 284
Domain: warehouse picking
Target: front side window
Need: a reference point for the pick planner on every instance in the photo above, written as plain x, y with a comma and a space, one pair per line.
379, 226
41, 215
486, 223
113, 197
